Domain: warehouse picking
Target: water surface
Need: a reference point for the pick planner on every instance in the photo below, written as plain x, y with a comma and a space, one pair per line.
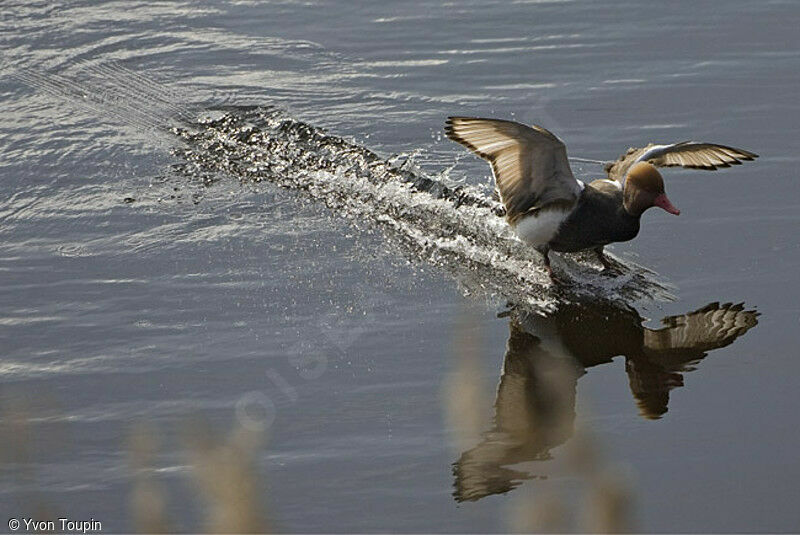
139, 288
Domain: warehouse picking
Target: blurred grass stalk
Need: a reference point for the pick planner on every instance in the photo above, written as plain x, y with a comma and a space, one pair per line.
226, 477
224, 474
464, 398
224, 471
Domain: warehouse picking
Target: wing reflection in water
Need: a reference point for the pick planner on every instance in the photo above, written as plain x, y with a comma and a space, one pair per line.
545, 356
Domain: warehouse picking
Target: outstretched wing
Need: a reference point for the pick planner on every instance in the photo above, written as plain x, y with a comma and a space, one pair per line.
534, 412
695, 333
529, 164
678, 347
691, 154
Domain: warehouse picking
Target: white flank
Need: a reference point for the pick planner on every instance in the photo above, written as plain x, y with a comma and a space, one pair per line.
540, 229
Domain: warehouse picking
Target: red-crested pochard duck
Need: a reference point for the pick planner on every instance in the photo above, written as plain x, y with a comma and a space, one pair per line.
551, 210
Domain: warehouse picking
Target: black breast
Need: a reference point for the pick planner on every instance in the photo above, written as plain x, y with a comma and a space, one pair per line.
598, 219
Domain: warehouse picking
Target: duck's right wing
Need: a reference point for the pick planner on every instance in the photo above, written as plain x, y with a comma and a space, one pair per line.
678, 347
689, 154
695, 333
529, 164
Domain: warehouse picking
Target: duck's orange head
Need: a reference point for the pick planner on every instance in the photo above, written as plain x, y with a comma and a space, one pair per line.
644, 188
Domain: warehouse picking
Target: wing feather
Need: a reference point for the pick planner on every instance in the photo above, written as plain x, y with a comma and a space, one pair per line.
529, 164
708, 328
689, 154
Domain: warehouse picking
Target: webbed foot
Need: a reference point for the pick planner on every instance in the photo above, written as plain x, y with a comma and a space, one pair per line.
611, 268
555, 279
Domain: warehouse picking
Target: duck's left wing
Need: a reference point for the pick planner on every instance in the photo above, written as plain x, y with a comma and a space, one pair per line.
529, 163
690, 154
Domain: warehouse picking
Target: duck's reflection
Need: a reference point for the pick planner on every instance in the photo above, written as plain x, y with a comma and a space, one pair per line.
545, 356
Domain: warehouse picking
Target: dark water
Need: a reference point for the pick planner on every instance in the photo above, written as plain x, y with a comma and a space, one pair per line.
323, 298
